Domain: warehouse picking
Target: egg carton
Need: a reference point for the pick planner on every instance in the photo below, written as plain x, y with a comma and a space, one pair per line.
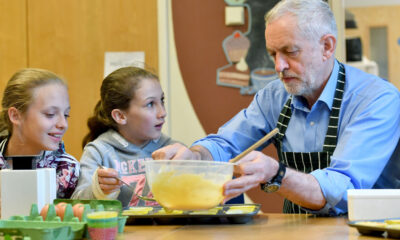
96, 205
33, 227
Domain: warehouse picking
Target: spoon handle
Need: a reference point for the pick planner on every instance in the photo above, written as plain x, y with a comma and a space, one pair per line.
255, 145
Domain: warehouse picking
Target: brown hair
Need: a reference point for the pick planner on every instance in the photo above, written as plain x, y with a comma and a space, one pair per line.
117, 90
19, 90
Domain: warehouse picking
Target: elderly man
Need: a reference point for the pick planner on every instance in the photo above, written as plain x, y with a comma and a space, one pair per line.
338, 126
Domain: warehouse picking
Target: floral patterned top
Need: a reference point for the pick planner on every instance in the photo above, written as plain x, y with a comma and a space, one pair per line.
67, 168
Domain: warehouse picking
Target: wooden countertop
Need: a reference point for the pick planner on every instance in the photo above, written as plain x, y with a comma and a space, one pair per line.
263, 226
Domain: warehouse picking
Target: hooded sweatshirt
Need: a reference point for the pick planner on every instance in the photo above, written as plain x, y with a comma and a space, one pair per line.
111, 150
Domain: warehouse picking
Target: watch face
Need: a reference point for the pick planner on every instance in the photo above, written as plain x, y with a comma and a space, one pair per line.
273, 187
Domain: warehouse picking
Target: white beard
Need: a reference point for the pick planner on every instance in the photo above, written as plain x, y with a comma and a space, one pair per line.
305, 86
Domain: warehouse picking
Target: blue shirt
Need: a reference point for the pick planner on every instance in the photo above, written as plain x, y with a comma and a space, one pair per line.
368, 133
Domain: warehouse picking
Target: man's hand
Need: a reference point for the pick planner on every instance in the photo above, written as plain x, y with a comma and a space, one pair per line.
108, 180
253, 169
179, 151
174, 151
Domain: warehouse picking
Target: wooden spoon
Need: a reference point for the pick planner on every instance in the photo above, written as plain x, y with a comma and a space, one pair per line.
255, 145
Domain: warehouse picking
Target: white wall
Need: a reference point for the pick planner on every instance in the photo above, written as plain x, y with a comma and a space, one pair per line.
337, 7
182, 122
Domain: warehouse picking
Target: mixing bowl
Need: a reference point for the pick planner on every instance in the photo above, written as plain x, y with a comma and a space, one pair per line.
187, 184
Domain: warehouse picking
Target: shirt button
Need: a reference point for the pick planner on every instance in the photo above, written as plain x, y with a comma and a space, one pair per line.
311, 123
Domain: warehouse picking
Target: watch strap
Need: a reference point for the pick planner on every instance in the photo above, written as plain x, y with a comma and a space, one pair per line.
280, 174
276, 181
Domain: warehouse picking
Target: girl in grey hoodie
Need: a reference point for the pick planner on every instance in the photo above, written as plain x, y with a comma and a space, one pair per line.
124, 130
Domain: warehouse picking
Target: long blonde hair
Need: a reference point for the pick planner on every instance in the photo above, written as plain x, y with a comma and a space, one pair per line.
19, 90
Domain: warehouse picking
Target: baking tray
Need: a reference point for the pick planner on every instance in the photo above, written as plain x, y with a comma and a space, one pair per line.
385, 228
228, 213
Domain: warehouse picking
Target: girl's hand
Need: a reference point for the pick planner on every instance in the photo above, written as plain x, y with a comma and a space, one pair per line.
108, 180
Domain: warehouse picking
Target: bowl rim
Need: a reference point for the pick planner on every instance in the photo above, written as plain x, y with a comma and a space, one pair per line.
192, 161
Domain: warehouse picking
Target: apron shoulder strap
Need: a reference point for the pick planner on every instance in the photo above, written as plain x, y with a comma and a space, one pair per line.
332, 132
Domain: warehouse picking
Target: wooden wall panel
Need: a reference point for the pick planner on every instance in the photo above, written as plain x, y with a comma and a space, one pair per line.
70, 38
13, 54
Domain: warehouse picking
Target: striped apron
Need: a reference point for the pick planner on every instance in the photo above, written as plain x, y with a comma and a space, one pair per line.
309, 161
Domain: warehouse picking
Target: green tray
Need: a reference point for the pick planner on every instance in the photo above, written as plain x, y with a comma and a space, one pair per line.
40, 230
98, 205
35, 228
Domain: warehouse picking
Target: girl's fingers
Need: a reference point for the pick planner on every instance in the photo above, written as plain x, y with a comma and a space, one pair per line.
107, 173
107, 189
108, 181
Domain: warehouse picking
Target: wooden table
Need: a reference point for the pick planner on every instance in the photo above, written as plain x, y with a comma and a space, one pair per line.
263, 226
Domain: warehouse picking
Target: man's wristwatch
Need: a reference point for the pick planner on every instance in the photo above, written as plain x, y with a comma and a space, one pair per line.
274, 184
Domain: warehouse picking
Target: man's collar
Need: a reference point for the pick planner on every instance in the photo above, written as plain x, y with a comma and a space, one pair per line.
328, 93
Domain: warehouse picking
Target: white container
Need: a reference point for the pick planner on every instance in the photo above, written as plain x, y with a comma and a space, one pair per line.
372, 204
21, 188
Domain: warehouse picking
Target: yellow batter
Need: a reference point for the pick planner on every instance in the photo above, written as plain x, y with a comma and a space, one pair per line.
186, 191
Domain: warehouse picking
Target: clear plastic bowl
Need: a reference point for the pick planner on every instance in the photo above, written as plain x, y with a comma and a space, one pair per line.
188, 184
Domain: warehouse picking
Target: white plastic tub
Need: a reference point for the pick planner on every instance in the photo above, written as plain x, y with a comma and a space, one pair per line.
371, 204
21, 188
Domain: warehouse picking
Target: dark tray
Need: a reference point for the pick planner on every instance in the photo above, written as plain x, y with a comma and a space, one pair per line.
384, 228
228, 213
